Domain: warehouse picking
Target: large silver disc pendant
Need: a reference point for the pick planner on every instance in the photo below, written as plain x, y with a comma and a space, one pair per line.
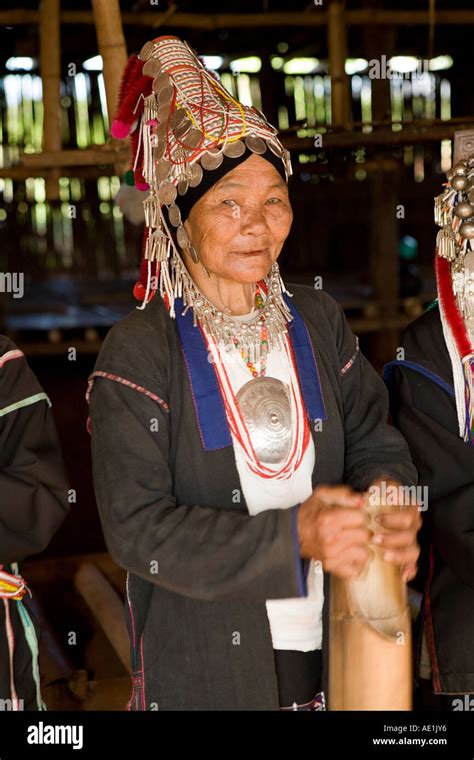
266, 410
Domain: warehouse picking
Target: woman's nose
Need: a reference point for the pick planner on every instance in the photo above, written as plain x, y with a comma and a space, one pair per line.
253, 218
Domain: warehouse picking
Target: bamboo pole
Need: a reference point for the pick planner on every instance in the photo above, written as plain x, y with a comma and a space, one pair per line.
337, 49
370, 636
50, 67
109, 30
361, 17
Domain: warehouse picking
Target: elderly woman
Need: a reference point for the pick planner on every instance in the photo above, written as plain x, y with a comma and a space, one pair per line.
235, 425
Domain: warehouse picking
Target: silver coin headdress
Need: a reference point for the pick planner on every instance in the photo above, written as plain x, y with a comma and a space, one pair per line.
183, 123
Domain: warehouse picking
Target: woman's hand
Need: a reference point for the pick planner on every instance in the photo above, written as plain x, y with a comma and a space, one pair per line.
397, 536
332, 528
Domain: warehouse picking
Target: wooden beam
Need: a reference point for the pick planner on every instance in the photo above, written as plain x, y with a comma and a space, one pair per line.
414, 135
83, 172
112, 48
211, 22
85, 157
107, 608
50, 69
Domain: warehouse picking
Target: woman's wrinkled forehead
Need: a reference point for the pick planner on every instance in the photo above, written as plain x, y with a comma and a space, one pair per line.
253, 173
229, 164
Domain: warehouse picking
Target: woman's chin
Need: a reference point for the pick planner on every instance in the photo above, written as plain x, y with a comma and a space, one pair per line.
251, 267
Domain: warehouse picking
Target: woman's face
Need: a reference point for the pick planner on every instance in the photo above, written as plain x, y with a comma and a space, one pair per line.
239, 225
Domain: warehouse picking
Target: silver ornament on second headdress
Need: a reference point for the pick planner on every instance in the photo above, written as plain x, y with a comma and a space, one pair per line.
460, 168
458, 182
463, 210
466, 230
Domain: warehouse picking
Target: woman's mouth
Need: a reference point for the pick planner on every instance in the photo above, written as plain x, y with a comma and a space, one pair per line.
252, 253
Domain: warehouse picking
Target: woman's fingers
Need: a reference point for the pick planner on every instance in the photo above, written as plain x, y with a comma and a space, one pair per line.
342, 496
408, 518
348, 564
396, 540
346, 539
409, 572
407, 556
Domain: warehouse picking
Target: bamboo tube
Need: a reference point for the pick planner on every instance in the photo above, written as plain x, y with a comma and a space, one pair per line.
108, 24
107, 608
370, 660
337, 49
50, 66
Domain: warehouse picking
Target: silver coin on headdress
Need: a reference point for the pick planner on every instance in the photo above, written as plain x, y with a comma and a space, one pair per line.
152, 67
177, 118
211, 160
174, 215
159, 150
147, 51
194, 253
165, 95
192, 138
183, 185
255, 144
161, 130
234, 149
162, 169
167, 192
182, 236
195, 175
266, 410
160, 82
182, 128
163, 112
275, 148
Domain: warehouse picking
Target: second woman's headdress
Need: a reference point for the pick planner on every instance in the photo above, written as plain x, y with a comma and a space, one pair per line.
454, 263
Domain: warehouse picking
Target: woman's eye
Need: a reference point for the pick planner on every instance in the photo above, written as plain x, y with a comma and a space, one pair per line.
229, 201
273, 200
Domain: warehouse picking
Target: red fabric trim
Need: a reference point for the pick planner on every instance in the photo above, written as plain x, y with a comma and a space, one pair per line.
430, 639
128, 383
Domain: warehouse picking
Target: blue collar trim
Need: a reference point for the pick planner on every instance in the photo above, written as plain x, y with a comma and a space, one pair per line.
208, 404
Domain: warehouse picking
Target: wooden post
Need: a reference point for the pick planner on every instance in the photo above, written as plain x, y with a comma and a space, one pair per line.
337, 49
50, 66
112, 47
385, 189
